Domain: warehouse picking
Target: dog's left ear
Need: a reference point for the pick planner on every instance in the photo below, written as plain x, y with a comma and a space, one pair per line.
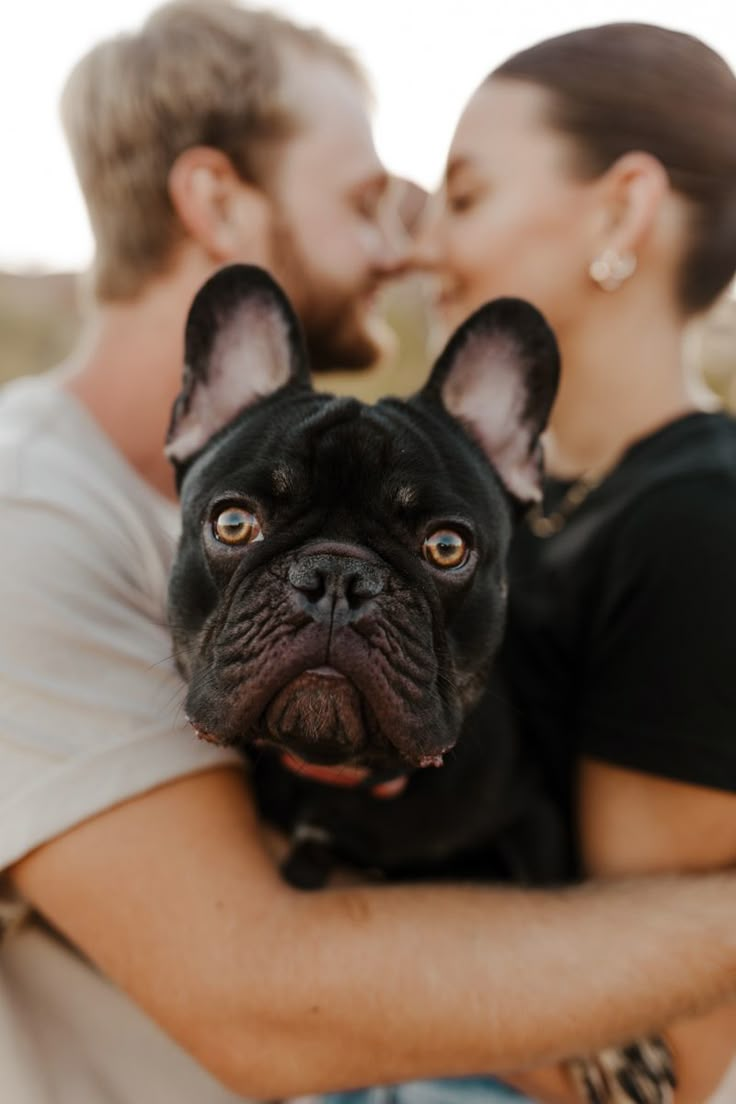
498, 376
242, 343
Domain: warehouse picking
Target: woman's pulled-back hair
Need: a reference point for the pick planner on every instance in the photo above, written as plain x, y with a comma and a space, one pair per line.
631, 86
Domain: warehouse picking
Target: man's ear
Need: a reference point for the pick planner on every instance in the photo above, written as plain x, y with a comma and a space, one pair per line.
242, 343
228, 217
498, 377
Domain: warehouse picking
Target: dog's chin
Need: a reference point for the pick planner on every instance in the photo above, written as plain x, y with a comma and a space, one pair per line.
318, 716
328, 716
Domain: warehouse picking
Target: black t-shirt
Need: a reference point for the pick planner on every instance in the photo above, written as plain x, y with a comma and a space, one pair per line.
621, 642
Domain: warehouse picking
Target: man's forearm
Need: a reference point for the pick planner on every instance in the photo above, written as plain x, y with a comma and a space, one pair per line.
507, 979
278, 992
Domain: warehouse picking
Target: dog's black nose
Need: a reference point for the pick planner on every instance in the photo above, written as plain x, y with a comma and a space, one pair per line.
336, 589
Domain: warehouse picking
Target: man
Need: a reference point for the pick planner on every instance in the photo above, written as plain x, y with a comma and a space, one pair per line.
217, 135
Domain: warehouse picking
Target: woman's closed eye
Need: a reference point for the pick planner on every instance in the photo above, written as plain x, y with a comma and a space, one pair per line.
461, 201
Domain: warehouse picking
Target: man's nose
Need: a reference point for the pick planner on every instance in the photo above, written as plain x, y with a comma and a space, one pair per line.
396, 220
337, 590
394, 247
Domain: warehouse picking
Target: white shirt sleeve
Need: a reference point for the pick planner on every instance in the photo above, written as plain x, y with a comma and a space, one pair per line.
91, 706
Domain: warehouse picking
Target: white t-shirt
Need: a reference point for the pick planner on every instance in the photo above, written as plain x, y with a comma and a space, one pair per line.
90, 714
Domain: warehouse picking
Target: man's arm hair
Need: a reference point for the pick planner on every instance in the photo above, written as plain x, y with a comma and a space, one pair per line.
277, 992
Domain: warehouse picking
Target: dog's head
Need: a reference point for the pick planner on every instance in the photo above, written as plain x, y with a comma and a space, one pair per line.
339, 586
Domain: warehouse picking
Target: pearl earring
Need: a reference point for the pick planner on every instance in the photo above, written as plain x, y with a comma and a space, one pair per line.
610, 269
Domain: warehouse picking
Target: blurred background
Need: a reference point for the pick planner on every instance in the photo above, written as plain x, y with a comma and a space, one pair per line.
425, 60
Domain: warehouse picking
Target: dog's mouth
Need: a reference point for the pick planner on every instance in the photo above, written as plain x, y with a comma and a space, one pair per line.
323, 728
321, 716
334, 700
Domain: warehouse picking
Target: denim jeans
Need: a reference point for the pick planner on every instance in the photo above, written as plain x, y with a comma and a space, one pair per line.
467, 1090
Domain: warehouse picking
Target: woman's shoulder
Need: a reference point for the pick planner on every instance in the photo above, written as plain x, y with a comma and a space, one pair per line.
678, 481
687, 464
699, 444
681, 527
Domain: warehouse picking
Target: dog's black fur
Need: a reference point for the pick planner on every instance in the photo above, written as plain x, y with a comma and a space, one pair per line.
335, 638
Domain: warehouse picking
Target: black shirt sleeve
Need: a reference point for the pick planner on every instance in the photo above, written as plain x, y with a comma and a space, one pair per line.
658, 691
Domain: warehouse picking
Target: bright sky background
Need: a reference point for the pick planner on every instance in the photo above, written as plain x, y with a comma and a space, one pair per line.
425, 56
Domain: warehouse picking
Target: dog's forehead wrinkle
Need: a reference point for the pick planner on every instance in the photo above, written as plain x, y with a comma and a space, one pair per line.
264, 449
351, 449
440, 467
331, 411
418, 438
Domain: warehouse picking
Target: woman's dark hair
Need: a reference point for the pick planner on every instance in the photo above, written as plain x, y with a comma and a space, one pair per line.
632, 86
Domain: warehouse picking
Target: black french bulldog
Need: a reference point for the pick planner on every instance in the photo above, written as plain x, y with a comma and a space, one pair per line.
338, 594
338, 597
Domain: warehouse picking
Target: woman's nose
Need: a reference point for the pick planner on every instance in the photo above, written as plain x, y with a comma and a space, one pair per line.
426, 252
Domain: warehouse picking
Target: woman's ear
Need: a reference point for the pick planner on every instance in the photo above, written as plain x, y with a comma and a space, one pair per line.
632, 192
224, 214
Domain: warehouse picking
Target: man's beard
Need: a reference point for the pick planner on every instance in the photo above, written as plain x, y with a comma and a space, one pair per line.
337, 336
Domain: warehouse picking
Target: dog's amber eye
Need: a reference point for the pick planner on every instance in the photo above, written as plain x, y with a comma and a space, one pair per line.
445, 548
237, 526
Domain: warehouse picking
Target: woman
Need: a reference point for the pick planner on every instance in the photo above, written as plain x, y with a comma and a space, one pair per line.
595, 175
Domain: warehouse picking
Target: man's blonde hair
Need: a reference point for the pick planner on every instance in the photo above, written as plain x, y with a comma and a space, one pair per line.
197, 73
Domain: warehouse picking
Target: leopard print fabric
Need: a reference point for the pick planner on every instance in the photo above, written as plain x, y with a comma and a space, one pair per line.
640, 1073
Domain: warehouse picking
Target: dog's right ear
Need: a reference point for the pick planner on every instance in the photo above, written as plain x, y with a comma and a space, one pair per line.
242, 343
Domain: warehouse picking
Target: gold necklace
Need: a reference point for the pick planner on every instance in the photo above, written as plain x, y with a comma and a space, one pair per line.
547, 525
